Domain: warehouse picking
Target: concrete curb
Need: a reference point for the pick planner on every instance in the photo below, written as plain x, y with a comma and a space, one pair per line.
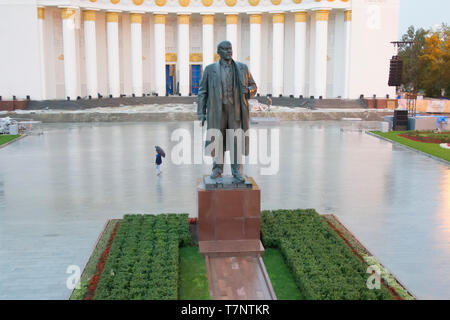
14, 140
404, 146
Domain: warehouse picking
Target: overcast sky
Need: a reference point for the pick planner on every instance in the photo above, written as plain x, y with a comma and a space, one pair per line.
423, 13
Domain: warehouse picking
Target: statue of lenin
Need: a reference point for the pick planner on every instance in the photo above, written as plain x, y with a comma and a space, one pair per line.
223, 96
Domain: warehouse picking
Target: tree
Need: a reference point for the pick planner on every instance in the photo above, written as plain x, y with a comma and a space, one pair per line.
410, 55
431, 62
426, 62
446, 60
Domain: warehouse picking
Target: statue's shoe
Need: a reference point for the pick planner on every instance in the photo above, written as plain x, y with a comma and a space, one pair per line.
238, 178
216, 173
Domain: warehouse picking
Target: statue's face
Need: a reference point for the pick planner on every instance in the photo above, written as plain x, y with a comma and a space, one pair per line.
225, 50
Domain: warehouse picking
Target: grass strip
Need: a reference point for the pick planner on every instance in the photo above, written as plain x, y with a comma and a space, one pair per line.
5, 138
283, 282
193, 277
429, 148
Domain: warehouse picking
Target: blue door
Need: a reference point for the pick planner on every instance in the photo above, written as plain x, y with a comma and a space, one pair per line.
195, 78
170, 78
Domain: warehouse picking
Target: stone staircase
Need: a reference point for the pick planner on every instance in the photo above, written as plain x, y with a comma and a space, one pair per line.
134, 101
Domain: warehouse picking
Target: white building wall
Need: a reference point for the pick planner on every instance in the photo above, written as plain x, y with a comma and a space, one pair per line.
289, 54
239, 56
244, 35
338, 56
266, 54
81, 54
195, 34
171, 43
374, 26
59, 54
50, 53
19, 54
311, 61
307, 57
151, 55
331, 57
220, 30
147, 33
125, 54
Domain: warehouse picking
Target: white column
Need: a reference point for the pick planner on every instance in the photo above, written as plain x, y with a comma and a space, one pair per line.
312, 54
301, 18
90, 45
136, 53
255, 48
69, 49
112, 33
338, 55
347, 44
183, 53
321, 48
160, 53
208, 39
278, 54
232, 20
41, 17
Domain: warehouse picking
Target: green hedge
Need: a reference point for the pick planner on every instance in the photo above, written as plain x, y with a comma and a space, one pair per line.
143, 259
323, 266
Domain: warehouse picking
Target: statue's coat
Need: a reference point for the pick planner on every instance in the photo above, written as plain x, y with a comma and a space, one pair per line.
210, 97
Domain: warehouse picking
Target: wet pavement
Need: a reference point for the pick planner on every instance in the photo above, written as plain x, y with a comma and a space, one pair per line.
58, 189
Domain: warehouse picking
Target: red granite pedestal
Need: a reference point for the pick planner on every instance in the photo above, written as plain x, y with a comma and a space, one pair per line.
229, 220
229, 236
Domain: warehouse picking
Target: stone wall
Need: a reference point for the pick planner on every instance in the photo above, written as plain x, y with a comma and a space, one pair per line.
367, 115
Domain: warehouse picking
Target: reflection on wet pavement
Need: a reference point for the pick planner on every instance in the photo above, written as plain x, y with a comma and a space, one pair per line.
58, 189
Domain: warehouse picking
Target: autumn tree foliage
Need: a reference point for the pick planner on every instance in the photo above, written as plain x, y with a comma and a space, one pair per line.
426, 61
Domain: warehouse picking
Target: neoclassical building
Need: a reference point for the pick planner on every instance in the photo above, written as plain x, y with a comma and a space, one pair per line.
54, 49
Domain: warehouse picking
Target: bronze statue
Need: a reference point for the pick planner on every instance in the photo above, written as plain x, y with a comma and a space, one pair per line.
223, 96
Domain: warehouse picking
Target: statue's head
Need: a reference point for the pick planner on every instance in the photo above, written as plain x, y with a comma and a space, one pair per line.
225, 50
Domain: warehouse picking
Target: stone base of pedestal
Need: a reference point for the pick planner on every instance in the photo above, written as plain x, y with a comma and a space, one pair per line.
242, 277
223, 248
229, 238
229, 214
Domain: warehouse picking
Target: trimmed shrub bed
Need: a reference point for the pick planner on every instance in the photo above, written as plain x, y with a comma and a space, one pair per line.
307, 256
143, 259
322, 264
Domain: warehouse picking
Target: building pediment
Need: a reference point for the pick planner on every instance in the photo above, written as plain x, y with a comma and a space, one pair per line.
199, 6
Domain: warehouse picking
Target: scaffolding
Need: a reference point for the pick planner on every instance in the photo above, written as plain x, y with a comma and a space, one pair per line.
411, 102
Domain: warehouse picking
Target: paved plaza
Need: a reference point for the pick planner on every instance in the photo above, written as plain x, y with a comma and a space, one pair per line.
58, 189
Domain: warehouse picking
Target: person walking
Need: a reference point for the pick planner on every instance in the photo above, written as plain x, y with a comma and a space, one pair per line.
158, 161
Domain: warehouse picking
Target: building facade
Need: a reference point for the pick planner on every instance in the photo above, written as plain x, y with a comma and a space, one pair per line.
69, 48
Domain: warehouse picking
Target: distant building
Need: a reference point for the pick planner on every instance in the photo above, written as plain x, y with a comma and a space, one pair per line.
70, 48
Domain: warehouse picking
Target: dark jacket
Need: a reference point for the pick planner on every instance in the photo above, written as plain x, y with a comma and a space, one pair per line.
209, 101
158, 158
